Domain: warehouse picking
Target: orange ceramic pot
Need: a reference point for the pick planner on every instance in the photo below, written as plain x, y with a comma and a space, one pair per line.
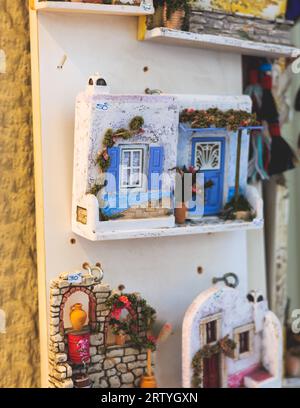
175, 21
77, 316
180, 214
148, 381
120, 339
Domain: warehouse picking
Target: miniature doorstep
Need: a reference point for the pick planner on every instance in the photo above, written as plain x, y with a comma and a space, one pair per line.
231, 341
128, 149
98, 337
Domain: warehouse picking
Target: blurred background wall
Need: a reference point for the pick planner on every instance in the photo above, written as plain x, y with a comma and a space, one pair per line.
19, 362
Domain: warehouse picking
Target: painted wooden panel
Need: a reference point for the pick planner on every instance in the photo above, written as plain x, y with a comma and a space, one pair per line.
142, 261
268, 9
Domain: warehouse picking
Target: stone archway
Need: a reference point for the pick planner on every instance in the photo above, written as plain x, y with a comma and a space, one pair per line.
92, 306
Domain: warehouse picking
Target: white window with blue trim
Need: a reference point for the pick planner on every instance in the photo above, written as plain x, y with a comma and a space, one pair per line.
132, 167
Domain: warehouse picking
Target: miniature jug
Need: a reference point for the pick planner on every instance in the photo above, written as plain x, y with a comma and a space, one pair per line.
77, 316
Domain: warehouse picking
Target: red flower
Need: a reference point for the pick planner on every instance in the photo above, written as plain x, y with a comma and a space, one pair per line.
116, 313
190, 110
151, 339
192, 170
125, 301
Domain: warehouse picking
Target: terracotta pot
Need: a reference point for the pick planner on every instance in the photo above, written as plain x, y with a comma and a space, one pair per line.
82, 381
120, 339
148, 381
292, 363
175, 21
77, 316
243, 215
180, 214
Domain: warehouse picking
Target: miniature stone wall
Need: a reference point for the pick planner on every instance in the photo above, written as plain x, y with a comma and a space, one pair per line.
111, 366
244, 28
153, 210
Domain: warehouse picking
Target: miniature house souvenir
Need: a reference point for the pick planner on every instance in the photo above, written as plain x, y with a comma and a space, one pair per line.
231, 340
213, 140
84, 346
125, 146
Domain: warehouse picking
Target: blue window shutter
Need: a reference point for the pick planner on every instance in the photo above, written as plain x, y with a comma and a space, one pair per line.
114, 154
156, 164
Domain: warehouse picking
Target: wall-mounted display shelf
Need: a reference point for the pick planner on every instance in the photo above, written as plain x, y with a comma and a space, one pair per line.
206, 226
145, 8
167, 36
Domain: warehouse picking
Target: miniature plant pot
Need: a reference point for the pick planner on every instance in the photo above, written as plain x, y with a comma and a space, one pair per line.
175, 21
243, 215
120, 339
180, 214
148, 381
77, 316
82, 381
292, 363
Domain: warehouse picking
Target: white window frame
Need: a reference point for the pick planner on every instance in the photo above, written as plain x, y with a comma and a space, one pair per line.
236, 338
132, 148
203, 334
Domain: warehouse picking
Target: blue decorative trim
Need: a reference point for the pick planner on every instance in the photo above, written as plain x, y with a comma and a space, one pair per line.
213, 129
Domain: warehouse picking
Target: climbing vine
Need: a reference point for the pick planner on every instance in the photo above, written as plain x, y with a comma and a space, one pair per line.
214, 117
111, 136
225, 345
138, 322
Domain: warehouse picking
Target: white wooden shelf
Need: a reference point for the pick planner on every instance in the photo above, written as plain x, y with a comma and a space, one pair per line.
77, 7
209, 225
167, 36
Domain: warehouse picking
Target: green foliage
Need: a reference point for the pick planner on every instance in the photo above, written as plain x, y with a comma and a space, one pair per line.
225, 345
140, 319
214, 117
136, 123
109, 140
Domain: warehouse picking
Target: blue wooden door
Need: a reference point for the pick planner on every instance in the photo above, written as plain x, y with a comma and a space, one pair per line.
208, 155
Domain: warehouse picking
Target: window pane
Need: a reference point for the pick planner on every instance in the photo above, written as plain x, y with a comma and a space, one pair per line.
136, 177
126, 159
136, 158
125, 177
244, 342
211, 331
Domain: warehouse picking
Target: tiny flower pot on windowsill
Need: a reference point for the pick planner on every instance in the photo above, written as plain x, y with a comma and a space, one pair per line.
180, 213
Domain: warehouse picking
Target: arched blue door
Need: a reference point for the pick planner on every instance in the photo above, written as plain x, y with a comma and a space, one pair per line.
208, 155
